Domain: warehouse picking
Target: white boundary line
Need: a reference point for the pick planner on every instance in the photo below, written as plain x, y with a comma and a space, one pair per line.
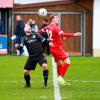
55, 82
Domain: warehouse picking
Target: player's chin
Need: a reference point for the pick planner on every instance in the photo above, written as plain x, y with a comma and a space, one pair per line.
28, 32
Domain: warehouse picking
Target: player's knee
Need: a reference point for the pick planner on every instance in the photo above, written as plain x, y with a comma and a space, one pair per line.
45, 66
26, 72
59, 62
67, 61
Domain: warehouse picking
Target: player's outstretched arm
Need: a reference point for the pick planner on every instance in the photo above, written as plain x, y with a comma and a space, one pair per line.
70, 34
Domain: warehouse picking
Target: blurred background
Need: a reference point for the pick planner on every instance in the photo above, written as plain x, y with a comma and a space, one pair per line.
75, 16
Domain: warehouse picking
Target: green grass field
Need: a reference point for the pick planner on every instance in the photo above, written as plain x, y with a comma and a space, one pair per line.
83, 74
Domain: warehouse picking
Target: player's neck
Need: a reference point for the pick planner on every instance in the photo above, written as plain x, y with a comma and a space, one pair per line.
53, 23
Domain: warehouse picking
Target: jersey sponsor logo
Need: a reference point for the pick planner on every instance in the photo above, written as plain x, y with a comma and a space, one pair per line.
34, 36
49, 32
30, 41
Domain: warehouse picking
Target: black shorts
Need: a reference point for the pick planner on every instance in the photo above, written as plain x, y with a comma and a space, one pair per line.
31, 62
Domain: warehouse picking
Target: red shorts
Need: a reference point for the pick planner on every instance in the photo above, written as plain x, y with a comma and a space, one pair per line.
58, 53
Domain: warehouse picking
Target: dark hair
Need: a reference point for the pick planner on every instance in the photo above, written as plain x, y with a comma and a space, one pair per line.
52, 16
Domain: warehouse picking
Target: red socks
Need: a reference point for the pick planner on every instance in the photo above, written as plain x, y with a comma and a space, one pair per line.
64, 69
61, 69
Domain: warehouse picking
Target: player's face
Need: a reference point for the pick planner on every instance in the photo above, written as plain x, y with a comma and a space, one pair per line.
27, 30
56, 19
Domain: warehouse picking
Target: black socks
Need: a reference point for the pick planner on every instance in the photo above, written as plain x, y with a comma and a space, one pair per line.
27, 79
45, 75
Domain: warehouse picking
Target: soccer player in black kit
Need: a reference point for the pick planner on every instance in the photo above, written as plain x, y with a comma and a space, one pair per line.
33, 43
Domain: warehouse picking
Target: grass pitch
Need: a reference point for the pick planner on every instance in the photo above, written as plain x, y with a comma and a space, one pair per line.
83, 74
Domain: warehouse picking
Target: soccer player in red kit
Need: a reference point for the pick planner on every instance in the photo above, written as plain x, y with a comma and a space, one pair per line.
61, 58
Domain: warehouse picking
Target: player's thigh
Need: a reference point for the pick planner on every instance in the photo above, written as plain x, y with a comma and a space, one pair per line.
43, 62
59, 54
30, 64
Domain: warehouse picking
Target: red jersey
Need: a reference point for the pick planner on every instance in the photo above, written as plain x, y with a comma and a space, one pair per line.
54, 34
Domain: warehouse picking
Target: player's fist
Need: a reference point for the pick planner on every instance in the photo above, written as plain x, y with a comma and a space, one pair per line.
78, 34
16, 45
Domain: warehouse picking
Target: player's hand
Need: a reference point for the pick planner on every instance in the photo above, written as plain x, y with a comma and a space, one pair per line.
16, 45
51, 44
78, 34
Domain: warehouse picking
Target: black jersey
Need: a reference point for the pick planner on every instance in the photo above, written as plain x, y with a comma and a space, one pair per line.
33, 44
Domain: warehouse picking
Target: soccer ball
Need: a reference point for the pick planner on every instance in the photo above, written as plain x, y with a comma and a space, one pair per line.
42, 12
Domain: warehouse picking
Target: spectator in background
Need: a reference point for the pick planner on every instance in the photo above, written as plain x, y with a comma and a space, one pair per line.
33, 25
19, 33
45, 35
1, 27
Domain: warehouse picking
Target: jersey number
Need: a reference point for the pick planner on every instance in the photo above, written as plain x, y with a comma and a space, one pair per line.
49, 34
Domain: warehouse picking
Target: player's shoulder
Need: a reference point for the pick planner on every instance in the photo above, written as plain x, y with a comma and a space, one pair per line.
51, 26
